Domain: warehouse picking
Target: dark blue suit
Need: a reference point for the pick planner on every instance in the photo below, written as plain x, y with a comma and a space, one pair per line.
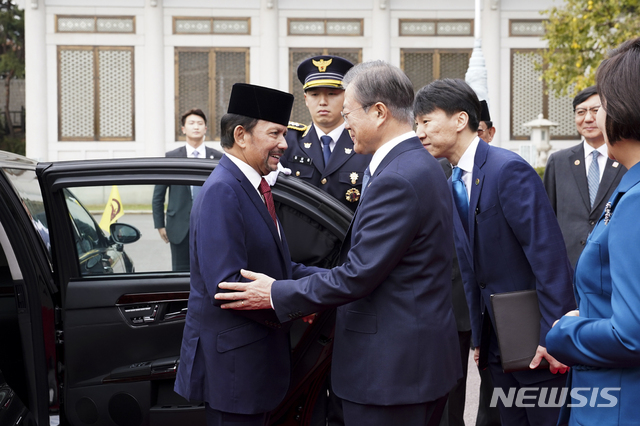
514, 244
342, 176
236, 361
602, 345
395, 337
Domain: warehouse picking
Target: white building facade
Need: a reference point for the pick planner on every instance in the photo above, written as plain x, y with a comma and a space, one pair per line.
109, 79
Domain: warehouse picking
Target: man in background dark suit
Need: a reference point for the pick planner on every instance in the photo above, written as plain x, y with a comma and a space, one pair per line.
507, 239
176, 230
568, 182
395, 353
322, 153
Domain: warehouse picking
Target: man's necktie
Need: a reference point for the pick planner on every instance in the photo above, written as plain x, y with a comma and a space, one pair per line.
195, 188
593, 177
326, 148
460, 197
265, 190
365, 181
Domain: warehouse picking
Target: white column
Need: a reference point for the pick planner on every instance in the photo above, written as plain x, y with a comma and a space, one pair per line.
153, 69
491, 29
269, 42
381, 31
37, 145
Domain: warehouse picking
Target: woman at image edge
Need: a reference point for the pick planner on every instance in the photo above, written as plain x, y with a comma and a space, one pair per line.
601, 341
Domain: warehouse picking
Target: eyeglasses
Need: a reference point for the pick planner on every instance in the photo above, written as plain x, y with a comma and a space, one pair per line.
344, 114
582, 112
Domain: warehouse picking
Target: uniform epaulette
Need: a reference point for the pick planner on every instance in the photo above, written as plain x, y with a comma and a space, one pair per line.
297, 126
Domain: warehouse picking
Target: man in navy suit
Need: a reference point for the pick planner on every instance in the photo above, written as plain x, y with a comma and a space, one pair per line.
508, 238
322, 153
238, 362
176, 230
567, 180
395, 354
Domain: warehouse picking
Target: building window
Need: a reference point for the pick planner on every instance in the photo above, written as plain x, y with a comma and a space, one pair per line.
424, 27
95, 24
526, 28
195, 25
325, 27
530, 97
204, 77
95, 96
423, 66
300, 113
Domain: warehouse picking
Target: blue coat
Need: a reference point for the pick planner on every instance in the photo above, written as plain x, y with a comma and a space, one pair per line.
395, 335
603, 344
341, 177
237, 361
514, 243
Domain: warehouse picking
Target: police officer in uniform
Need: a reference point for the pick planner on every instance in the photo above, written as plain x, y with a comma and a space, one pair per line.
322, 153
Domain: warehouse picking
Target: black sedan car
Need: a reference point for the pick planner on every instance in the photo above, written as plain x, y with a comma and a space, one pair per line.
91, 319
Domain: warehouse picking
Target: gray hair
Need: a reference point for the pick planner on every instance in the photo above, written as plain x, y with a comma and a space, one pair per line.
378, 81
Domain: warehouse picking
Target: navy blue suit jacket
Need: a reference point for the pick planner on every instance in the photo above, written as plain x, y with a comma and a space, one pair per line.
606, 336
237, 361
395, 335
342, 175
514, 243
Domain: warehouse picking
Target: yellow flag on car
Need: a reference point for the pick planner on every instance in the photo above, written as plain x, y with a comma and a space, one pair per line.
113, 210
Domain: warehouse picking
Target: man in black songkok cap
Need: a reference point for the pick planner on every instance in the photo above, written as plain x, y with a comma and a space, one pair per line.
238, 362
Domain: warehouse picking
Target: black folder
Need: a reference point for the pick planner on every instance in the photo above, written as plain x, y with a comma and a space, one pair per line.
517, 323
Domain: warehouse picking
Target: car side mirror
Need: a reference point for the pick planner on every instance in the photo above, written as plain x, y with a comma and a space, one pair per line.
122, 233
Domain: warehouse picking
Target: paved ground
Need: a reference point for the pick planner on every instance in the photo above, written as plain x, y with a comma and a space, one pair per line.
473, 388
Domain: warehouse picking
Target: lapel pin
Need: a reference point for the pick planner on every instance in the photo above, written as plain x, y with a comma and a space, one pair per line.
307, 145
577, 162
615, 164
477, 181
347, 151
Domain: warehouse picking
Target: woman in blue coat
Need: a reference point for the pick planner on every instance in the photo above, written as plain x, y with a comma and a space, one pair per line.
601, 341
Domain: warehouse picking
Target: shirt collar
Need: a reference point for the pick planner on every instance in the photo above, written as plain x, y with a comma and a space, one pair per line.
253, 176
386, 148
466, 161
588, 149
202, 150
334, 134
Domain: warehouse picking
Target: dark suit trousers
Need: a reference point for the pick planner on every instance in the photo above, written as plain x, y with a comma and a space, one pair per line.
426, 414
220, 418
454, 411
180, 255
529, 416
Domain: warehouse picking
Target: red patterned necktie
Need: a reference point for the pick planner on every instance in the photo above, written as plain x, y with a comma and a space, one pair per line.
265, 190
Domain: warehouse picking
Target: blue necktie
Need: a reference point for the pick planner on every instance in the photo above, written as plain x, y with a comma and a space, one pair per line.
460, 197
593, 177
326, 149
365, 181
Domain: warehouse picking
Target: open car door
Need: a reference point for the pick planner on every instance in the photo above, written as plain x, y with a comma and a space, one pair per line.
122, 308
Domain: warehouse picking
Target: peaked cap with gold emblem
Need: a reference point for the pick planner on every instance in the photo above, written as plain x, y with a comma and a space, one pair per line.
323, 71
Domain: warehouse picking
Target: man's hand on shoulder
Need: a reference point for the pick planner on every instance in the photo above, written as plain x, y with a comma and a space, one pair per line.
247, 296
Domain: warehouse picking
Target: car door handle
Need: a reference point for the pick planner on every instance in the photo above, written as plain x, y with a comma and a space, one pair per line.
182, 313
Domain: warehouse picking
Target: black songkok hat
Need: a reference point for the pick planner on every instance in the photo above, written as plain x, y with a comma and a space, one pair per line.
484, 113
260, 102
323, 71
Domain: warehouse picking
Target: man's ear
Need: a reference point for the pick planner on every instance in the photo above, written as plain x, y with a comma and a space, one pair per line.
462, 121
492, 132
239, 134
381, 110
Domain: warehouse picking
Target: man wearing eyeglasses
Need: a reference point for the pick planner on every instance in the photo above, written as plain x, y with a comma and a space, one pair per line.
322, 153
579, 180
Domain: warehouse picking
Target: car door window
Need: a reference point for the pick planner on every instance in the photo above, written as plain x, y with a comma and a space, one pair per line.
93, 210
26, 185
